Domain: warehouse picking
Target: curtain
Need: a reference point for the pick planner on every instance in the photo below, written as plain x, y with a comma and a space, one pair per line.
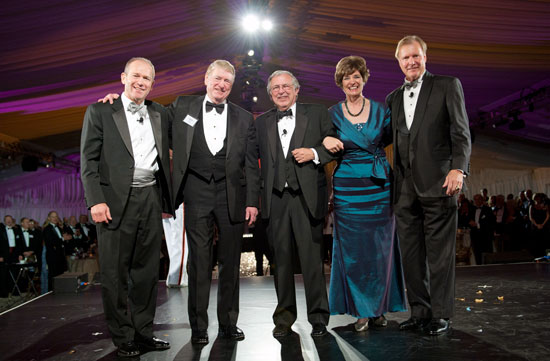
35, 194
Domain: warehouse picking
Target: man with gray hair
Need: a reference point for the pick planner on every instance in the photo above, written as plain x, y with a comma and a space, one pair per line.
125, 172
294, 198
216, 176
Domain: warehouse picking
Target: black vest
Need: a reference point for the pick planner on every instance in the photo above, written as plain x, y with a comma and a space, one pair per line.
284, 168
201, 160
403, 135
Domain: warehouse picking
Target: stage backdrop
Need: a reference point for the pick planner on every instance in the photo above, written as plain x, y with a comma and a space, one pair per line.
34, 194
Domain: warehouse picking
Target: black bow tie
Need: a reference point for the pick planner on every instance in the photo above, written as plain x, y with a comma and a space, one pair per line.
210, 106
285, 113
410, 84
25, 231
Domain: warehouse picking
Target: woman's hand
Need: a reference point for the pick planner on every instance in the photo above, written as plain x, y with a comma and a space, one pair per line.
332, 144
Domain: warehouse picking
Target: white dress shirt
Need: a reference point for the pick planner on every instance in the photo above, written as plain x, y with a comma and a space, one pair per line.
26, 236
286, 126
11, 236
143, 140
215, 126
410, 98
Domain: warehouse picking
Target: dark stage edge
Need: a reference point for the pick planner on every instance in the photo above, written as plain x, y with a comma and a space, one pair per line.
71, 326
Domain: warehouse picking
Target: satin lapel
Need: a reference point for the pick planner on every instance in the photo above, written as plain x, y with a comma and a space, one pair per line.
421, 105
232, 127
119, 117
154, 116
301, 125
272, 134
195, 110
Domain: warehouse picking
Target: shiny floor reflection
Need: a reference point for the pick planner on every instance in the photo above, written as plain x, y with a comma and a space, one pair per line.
501, 314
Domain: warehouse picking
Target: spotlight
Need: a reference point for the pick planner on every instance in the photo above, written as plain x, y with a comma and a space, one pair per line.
251, 52
267, 25
255, 99
251, 23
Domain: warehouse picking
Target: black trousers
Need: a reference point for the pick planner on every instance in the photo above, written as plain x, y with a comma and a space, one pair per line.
427, 234
129, 262
291, 227
204, 210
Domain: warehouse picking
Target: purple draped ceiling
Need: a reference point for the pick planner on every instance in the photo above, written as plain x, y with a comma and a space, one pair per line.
59, 56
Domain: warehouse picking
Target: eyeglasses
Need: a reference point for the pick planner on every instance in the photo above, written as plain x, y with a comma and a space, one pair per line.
277, 88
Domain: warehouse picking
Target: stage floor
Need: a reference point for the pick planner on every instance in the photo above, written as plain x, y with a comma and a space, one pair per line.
509, 321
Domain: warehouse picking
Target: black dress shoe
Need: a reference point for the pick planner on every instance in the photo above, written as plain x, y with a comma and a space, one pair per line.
414, 324
127, 349
231, 332
152, 343
319, 330
438, 326
199, 337
281, 331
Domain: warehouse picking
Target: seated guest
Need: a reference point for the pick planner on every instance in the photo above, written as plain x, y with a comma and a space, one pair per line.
482, 223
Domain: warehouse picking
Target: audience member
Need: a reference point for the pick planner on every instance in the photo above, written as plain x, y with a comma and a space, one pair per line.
539, 215
481, 223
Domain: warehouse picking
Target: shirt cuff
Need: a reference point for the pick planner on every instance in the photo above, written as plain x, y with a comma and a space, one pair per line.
316, 159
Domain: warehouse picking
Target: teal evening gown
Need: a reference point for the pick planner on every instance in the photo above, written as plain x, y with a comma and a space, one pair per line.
367, 276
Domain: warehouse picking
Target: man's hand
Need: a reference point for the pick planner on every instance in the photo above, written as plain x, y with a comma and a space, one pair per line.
101, 213
108, 98
303, 155
332, 144
251, 214
453, 182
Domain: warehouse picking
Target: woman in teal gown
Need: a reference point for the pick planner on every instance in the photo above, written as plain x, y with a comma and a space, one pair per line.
366, 279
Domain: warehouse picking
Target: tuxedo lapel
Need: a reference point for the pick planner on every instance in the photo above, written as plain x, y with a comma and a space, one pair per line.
232, 127
119, 117
195, 110
272, 134
154, 116
301, 125
421, 105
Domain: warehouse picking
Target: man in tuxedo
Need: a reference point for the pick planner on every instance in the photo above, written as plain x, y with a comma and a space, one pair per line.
11, 251
294, 198
432, 152
125, 173
216, 176
482, 227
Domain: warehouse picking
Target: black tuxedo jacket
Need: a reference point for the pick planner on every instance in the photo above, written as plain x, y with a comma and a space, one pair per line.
313, 124
55, 250
12, 257
439, 136
107, 161
241, 163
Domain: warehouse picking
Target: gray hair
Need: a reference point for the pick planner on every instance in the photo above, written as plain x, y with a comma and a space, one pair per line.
127, 66
221, 64
281, 72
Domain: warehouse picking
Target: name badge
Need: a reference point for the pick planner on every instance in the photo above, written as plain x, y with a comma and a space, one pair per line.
190, 120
